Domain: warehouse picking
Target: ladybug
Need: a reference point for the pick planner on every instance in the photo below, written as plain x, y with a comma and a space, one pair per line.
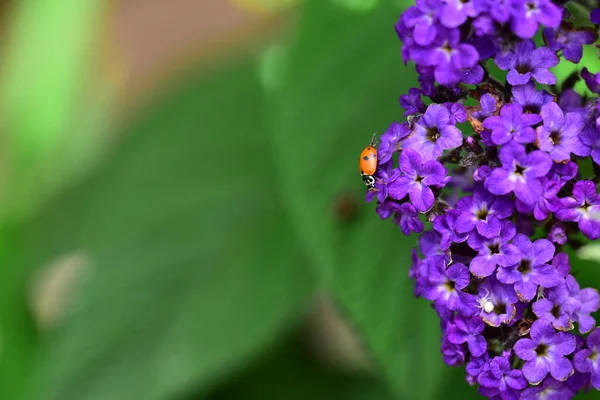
367, 165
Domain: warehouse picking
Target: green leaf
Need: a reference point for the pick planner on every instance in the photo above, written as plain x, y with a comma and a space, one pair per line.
192, 270
53, 86
343, 81
291, 372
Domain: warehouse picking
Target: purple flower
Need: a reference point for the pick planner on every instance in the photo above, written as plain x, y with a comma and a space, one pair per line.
444, 285
422, 18
483, 25
558, 308
453, 354
383, 178
494, 251
584, 208
531, 99
545, 353
561, 263
478, 365
569, 41
558, 234
416, 179
412, 103
407, 218
446, 226
563, 172
595, 16
455, 12
429, 244
482, 211
548, 202
388, 142
559, 136
570, 100
472, 75
591, 80
520, 173
457, 113
527, 14
468, 330
533, 269
550, 389
526, 62
487, 104
589, 302
588, 359
385, 209
512, 124
503, 299
434, 133
447, 55
591, 137
508, 382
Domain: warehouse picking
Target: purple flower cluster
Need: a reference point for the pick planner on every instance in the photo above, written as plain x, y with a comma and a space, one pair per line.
499, 178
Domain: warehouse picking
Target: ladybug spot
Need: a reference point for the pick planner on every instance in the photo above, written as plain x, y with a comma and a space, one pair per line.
366, 158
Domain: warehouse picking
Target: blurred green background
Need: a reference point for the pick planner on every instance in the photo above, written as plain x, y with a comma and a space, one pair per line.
181, 215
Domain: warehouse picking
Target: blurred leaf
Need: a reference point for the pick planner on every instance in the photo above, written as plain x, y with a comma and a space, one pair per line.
344, 79
52, 84
266, 6
192, 268
290, 373
17, 332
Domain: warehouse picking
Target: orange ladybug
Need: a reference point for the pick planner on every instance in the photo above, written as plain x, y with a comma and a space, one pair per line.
367, 165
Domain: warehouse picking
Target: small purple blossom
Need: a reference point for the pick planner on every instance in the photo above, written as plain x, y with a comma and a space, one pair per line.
455, 12
569, 41
533, 269
447, 55
444, 284
545, 353
468, 330
422, 18
407, 217
416, 180
584, 208
512, 124
548, 202
383, 178
503, 299
487, 104
493, 252
591, 80
389, 141
589, 302
558, 234
558, 308
559, 135
590, 136
520, 173
550, 389
482, 211
588, 359
527, 63
453, 354
526, 15
446, 226
412, 102
434, 133
531, 99
595, 16
506, 381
